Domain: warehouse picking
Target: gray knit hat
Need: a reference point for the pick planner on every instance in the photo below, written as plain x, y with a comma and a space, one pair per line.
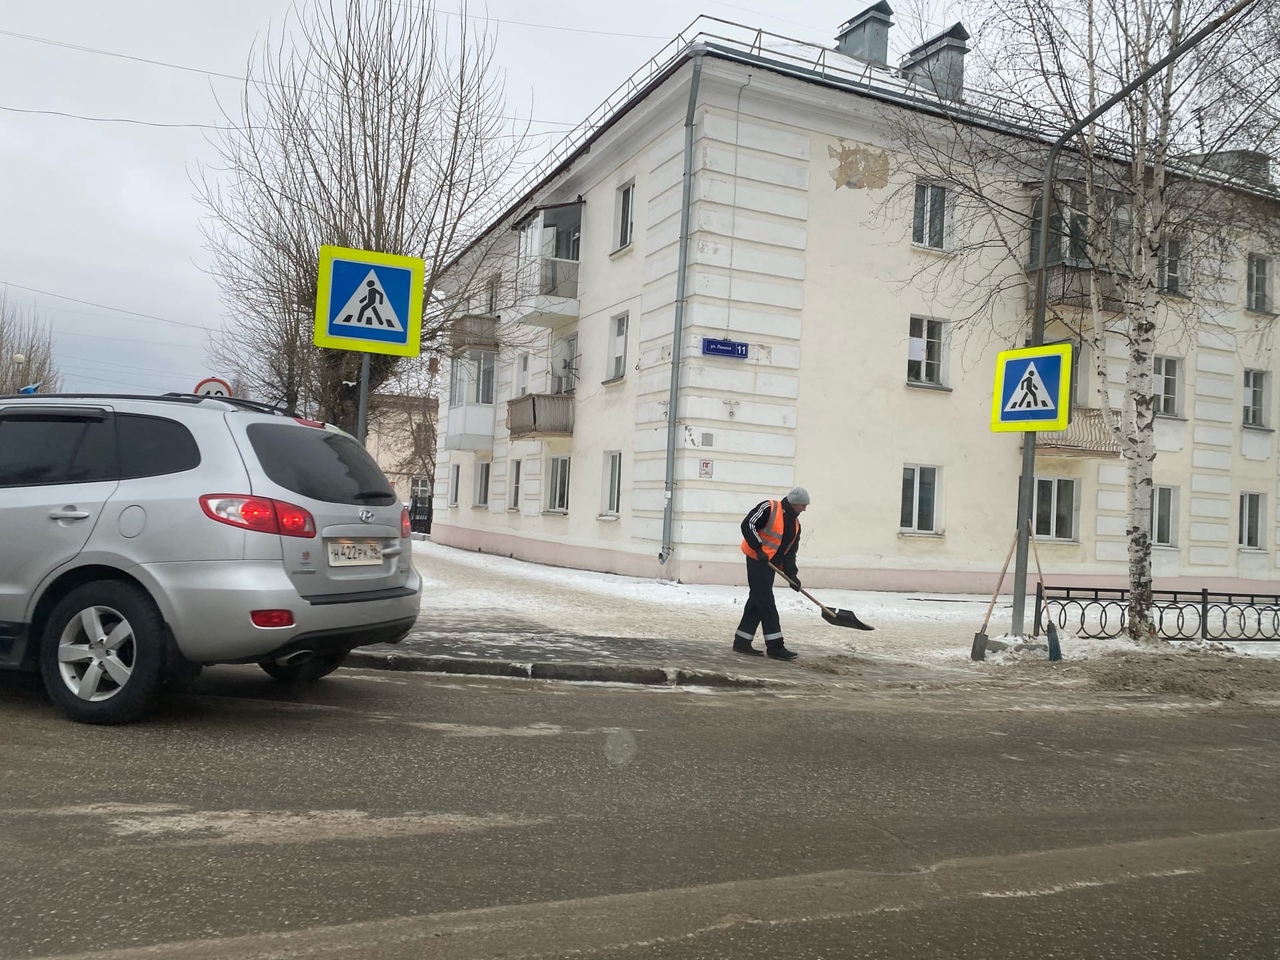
798, 496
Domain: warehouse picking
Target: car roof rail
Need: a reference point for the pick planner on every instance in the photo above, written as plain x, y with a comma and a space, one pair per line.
256, 406
100, 395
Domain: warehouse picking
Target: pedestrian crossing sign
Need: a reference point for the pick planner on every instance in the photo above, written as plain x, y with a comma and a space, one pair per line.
371, 302
1033, 389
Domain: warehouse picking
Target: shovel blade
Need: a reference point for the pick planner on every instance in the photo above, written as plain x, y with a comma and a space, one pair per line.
979, 649
845, 618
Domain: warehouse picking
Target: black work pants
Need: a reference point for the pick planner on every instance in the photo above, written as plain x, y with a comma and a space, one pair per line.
760, 609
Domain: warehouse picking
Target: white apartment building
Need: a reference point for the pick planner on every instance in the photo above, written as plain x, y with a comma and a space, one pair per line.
788, 333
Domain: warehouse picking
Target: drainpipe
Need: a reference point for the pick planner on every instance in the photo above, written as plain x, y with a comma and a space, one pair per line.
686, 197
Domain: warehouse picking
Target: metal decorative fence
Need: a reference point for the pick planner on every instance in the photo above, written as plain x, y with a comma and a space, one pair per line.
1103, 613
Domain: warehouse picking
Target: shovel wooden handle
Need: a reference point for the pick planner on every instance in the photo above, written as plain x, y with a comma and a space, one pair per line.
1003, 570
790, 582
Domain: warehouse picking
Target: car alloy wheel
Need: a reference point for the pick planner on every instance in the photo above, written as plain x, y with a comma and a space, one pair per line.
96, 653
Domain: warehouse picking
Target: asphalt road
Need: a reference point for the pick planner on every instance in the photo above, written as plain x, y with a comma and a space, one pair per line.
408, 816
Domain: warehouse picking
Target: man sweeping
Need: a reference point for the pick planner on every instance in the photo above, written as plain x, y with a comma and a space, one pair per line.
770, 534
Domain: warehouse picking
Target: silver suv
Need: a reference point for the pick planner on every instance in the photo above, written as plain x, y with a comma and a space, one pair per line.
142, 537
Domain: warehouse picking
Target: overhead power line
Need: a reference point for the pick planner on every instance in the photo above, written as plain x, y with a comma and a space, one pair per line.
104, 306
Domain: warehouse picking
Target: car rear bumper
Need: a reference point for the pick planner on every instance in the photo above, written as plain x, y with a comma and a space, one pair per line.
207, 605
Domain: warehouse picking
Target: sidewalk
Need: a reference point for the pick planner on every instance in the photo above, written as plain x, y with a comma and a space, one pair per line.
496, 616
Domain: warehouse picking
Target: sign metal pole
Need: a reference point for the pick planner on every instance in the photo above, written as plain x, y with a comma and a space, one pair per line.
362, 417
1026, 484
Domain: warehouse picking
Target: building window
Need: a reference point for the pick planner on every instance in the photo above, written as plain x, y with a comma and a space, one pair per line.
482, 484
1251, 520
624, 215
522, 375
1055, 509
617, 348
1170, 267
1255, 398
1068, 231
1256, 296
558, 492
491, 295
929, 227
481, 366
919, 499
1164, 520
613, 483
513, 495
455, 480
924, 351
564, 379
1166, 386
471, 378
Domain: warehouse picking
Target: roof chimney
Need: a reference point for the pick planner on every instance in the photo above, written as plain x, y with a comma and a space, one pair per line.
938, 63
866, 36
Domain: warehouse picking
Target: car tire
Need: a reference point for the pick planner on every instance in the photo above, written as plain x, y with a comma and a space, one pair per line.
103, 654
306, 672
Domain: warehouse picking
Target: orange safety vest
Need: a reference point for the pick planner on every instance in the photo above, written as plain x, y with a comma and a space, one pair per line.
771, 536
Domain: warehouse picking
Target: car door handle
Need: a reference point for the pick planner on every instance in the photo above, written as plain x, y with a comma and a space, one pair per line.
69, 513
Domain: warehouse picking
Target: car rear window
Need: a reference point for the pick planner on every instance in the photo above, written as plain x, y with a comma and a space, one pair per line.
319, 464
154, 446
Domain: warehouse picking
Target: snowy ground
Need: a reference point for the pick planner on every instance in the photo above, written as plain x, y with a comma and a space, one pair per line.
931, 631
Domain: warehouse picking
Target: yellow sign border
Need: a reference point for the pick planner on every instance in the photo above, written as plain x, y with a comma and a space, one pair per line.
412, 346
1063, 406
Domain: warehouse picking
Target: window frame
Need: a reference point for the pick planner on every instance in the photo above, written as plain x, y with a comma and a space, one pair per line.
486, 376
522, 375
1257, 296
624, 216
1258, 500
515, 469
915, 528
1055, 517
457, 382
484, 474
619, 328
928, 195
455, 481
568, 383
559, 472
612, 505
1170, 518
1170, 253
1255, 414
1162, 378
927, 326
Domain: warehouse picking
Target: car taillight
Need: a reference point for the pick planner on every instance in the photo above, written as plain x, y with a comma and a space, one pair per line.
259, 514
406, 528
272, 618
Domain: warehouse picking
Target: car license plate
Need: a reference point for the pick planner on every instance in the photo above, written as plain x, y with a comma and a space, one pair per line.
358, 553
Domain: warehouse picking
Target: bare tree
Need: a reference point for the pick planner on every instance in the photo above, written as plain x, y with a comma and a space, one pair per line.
367, 124
1157, 197
23, 334
408, 409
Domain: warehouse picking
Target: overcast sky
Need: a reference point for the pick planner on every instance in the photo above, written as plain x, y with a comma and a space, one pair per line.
104, 213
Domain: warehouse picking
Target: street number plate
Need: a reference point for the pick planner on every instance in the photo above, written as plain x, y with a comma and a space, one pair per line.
354, 554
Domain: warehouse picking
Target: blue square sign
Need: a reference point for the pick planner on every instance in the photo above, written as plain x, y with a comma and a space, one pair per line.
1032, 389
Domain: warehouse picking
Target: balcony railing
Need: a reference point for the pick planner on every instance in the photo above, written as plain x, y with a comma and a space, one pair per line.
474, 333
1070, 284
1086, 436
540, 415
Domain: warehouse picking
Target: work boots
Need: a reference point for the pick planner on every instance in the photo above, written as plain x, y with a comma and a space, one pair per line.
745, 647
780, 652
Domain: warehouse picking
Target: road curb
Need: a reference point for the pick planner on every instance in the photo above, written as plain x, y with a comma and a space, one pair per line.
578, 672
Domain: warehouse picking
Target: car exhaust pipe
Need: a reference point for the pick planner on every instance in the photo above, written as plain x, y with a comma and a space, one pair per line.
295, 658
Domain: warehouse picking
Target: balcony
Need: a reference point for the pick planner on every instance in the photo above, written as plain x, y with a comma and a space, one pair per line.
1086, 436
547, 274
1070, 283
540, 415
473, 333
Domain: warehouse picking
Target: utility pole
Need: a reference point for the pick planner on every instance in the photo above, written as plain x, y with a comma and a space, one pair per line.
1026, 484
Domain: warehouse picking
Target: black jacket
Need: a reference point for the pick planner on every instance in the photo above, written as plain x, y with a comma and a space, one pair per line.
759, 518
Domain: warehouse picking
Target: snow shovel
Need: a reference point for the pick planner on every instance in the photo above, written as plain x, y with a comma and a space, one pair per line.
838, 617
979, 649
1050, 628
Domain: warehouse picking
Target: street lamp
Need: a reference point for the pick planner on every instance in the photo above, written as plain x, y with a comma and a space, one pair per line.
1027, 482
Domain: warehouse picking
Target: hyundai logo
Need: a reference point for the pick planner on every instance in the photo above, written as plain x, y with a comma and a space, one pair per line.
366, 516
